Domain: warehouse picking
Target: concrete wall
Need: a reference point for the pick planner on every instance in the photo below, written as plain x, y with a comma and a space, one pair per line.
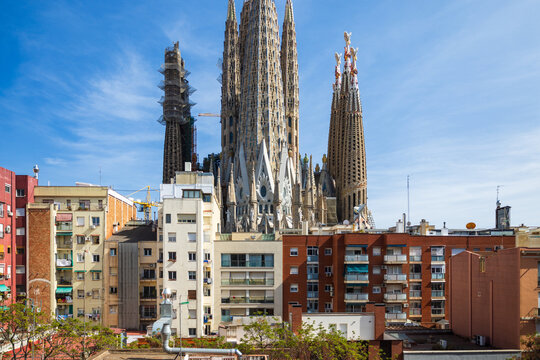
128, 288
353, 326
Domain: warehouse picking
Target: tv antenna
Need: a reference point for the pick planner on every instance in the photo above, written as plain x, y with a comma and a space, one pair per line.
498, 189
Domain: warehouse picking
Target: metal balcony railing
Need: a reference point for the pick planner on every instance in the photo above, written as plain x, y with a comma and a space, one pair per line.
437, 276
435, 258
415, 276
395, 297
356, 258
395, 258
356, 296
312, 294
395, 277
415, 293
261, 282
226, 318
437, 293
313, 258
415, 258
437, 311
312, 276
415, 312
356, 277
395, 316
246, 300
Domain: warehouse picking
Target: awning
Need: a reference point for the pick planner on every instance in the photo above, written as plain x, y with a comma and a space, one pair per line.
356, 268
95, 270
357, 245
396, 245
80, 270
4, 288
64, 290
64, 217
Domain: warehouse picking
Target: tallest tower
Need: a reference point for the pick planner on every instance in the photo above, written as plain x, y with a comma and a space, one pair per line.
259, 117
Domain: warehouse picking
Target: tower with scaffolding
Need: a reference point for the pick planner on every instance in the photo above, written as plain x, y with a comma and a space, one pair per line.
180, 131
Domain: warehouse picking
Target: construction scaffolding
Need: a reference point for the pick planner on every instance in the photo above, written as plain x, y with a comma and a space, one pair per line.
180, 140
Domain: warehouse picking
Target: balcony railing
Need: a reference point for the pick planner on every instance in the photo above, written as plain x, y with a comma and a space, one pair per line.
234, 282
357, 296
245, 300
415, 293
415, 312
151, 296
437, 293
242, 264
312, 294
437, 312
149, 316
357, 277
226, 318
395, 316
356, 258
312, 276
415, 276
62, 301
395, 258
415, 258
395, 297
225, 237
437, 276
395, 277
64, 227
313, 258
435, 258
63, 262
148, 277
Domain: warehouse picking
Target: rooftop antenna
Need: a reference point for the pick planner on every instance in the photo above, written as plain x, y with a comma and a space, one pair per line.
498, 201
36, 172
408, 204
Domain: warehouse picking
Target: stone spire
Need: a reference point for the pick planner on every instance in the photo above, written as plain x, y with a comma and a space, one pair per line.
334, 128
254, 210
289, 70
278, 213
230, 216
230, 82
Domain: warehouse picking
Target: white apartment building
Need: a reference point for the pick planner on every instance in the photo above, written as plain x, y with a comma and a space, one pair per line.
188, 224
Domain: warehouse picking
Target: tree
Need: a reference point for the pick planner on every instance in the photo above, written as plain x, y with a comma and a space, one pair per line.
531, 349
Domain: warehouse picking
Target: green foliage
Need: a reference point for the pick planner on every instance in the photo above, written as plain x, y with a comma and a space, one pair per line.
147, 342
531, 349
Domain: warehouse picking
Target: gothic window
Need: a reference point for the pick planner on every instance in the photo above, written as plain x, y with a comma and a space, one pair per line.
231, 137
230, 121
290, 142
290, 122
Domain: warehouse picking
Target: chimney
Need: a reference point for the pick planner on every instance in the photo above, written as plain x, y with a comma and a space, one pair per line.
378, 311
295, 317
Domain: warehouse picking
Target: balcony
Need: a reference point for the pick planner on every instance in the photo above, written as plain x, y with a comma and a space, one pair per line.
64, 263
245, 264
64, 228
415, 312
437, 294
358, 259
395, 297
415, 258
313, 276
437, 258
148, 296
226, 318
395, 278
356, 297
238, 282
395, 317
148, 278
437, 312
225, 237
313, 294
64, 301
415, 276
356, 278
437, 277
246, 300
149, 316
395, 259
415, 294
313, 258
65, 282
63, 245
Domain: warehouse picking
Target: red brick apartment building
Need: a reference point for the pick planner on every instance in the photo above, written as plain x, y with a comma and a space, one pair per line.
496, 295
342, 272
15, 192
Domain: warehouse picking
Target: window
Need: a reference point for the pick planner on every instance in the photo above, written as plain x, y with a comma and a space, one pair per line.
112, 252
95, 294
80, 294
20, 231
192, 256
80, 239
294, 288
8, 188
80, 276
100, 204
147, 252
376, 290
172, 255
172, 275
192, 237
95, 221
84, 204
192, 331
112, 309
95, 258
20, 251
192, 275
328, 251
19, 269
192, 194
328, 270
80, 220
376, 251
312, 251
1, 230
328, 307
293, 270
68, 204
192, 295
167, 218
95, 239
96, 275
80, 257
1, 210
207, 256
376, 270
294, 252
19, 192
207, 197
327, 287
172, 237
20, 212
187, 218
113, 290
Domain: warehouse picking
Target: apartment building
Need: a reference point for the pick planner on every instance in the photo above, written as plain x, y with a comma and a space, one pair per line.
248, 273
15, 192
496, 295
67, 227
342, 272
131, 276
188, 224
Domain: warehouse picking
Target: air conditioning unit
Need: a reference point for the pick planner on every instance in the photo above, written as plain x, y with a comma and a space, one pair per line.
405, 305
10, 213
406, 285
8, 229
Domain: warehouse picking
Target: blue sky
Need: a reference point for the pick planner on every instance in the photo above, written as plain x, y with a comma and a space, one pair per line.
450, 93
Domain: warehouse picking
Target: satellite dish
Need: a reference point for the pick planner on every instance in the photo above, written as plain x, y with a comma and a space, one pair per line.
470, 226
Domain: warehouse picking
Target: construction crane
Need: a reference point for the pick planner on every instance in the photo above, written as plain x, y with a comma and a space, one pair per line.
146, 206
209, 115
